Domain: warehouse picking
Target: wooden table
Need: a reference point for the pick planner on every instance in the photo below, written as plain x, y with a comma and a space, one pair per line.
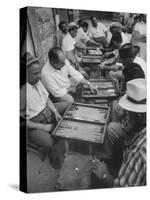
83, 123
92, 62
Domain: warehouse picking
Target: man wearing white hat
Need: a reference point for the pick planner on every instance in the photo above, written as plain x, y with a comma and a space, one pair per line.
68, 47
134, 104
68, 41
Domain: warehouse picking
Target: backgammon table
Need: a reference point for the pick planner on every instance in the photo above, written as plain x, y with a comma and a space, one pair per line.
104, 89
83, 123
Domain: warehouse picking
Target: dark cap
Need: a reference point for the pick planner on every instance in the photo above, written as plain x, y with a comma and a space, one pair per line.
128, 50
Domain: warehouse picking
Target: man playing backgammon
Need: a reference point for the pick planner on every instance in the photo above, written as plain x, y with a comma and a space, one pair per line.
55, 77
37, 109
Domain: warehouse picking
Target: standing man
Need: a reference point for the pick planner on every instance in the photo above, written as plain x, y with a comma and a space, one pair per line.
98, 32
55, 76
60, 34
139, 36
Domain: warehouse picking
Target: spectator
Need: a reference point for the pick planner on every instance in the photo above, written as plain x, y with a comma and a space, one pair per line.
139, 36
60, 34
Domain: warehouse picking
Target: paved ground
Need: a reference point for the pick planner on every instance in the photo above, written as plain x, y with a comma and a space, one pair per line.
41, 177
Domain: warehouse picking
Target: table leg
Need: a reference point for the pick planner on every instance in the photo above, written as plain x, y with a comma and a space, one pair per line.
90, 150
67, 146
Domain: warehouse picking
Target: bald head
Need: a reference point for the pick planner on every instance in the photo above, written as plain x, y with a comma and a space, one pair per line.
56, 58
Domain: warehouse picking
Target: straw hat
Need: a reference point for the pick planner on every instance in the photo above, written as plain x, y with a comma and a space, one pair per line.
115, 25
135, 98
72, 25
28, 59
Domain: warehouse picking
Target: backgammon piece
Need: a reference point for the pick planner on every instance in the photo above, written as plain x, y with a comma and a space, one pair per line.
111, 90
69, 114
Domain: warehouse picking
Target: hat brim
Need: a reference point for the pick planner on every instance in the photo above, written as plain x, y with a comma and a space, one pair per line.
134, 49
111, 27
33, 61
127, 105
72, 27
137, 49
115, 26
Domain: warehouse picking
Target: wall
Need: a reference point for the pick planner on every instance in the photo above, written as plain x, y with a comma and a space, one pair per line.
46, 27
42, 29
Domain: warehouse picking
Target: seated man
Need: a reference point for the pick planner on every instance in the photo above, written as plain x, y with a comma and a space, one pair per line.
68, 46
98, 32
128, 54
131, 72
55, 76
83, 37
134, 120
37, 108
117, 27
112, 56
80, 49
60, 34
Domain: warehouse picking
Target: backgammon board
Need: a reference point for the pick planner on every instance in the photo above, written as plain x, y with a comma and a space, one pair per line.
91, 56
103, 89
82, 122
94, 50
91, 60
90, 113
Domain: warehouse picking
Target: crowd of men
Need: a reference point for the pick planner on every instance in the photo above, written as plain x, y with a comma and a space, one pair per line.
48, 90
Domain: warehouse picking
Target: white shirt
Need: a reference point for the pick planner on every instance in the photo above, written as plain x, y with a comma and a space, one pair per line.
125, 38
81, 36
68, 43
57, 81
141, 28
142, 63
33, 99
98, 31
